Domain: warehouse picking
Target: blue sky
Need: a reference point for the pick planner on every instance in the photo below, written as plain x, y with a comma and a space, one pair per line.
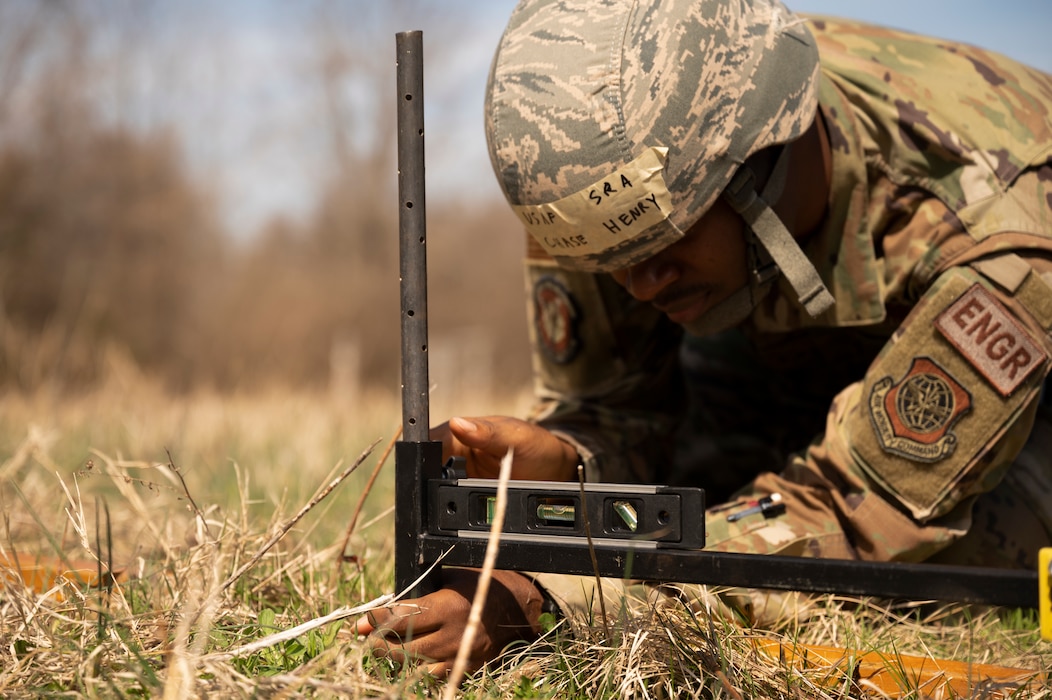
1018, 28
249, 109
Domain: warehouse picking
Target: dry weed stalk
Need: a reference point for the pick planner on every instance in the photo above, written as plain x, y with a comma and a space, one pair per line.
118, 471
186, 659
342, 613
591, 552
482, 589
172, 631
353, 523
299, 630
288, 525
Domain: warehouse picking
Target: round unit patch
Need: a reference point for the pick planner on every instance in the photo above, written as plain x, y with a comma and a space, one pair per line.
913, 417
555, 320
924, 404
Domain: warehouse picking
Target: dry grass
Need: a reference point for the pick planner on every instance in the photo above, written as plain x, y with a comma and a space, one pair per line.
214, 506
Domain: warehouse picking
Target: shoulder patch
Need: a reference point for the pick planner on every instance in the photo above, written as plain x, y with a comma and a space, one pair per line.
930, 423
913, 417
993, 342
555, 320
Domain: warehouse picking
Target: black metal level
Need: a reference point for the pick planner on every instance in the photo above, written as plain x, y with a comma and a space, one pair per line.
559, 512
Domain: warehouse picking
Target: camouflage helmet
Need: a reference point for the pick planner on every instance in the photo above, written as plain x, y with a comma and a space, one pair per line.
613, 125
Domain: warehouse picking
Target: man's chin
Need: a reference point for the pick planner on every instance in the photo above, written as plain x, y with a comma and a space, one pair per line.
725, 315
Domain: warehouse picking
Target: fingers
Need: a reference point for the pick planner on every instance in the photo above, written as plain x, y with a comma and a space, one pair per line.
481, 442
413, 653
382, 647
492, 436
402, 621
430, 630
476, 440
390, 633
407, 632
539, 454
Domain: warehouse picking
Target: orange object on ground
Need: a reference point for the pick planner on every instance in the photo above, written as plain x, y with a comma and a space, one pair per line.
41, 574
901, 674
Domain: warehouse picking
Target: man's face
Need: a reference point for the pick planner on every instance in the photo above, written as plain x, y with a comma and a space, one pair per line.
688, 278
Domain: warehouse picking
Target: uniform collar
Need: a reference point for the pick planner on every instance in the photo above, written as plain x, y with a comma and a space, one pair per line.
842, 250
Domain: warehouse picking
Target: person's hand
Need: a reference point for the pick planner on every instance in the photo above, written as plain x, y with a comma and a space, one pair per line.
429, 629
483, 442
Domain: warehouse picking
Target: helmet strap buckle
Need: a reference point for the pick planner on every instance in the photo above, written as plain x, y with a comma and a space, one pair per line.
771, 235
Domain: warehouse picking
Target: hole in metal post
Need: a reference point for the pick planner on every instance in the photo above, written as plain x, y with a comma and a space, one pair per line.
408, 205
410, 313
408, 97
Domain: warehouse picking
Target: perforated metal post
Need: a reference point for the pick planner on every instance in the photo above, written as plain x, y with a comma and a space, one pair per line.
417, 458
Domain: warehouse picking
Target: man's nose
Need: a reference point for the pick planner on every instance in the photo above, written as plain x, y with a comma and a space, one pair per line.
647, 279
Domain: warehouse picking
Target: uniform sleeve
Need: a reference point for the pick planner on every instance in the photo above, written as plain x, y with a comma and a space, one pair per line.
937, 420
940, 415
945, 408
578, 600
606, 371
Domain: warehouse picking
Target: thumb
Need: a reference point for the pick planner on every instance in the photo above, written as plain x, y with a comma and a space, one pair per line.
474, 433
485, 444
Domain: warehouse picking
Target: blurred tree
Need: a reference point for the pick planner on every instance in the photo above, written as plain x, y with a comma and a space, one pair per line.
103, 237
108, 240
354, 228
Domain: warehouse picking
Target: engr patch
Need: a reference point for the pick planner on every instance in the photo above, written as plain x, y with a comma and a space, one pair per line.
985, 333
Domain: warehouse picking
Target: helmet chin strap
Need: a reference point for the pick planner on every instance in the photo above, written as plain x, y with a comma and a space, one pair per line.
772, 249
729, 312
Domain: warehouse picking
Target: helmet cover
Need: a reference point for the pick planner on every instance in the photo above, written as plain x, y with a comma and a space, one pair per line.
613, 125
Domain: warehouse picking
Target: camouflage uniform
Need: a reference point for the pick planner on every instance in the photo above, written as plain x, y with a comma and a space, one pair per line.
905, 423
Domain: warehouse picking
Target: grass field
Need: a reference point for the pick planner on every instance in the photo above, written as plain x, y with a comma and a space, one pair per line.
210, 507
